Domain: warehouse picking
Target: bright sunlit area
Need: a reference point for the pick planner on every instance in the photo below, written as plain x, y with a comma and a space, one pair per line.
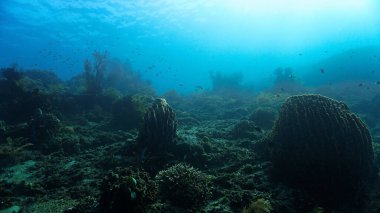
185, 39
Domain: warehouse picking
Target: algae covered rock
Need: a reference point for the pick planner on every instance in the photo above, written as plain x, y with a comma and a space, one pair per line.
159, 129
319, 145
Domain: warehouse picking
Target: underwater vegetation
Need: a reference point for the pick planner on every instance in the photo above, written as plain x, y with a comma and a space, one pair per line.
94, 73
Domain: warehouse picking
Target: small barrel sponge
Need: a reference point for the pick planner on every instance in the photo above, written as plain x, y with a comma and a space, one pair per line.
159, 129
320, 145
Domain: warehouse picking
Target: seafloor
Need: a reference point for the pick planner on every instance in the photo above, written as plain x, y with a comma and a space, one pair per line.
63, 150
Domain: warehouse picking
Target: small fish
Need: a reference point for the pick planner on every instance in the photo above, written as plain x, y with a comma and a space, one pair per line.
360, 85
181, 85
282, 89
290, 76
377, 82
300, 54
322, 71
325, 51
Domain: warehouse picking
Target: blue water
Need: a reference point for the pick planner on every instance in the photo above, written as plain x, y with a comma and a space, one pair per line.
176, 43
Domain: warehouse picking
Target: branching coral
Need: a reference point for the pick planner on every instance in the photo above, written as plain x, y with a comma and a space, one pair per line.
126, 190
94, 74
184, 186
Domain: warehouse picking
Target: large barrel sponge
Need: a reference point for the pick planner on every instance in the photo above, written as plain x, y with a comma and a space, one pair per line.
320, 145
159, 130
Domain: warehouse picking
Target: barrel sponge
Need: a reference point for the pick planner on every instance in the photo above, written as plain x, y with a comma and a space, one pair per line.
159, 129
321, 146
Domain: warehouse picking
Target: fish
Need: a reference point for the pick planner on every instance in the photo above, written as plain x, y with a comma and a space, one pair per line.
360, 85
322, 71
199, 87
377, 82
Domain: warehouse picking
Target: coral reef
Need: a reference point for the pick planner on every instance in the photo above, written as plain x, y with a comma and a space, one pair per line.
128, 112
184, 186
94, 74
127, 190
17, 103
264, 117
159, 130
245, 129
320, 146
3, 130
12, 148
11, 74
43, 127
62, 140
260, 205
